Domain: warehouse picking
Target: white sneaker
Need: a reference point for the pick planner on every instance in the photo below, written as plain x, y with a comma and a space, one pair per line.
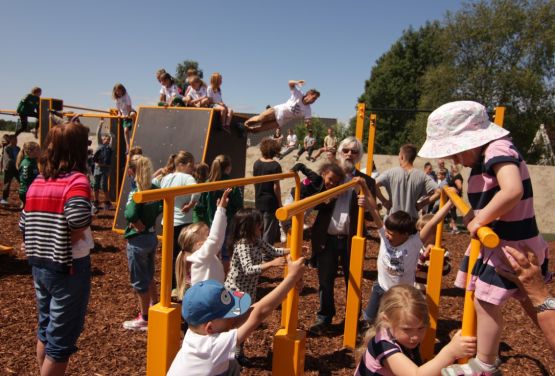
136, 324
4, 202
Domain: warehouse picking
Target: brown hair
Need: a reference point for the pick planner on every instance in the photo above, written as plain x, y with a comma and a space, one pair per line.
201, 172
160, 73
422, 221
243, 226
409, 152
313, 91
333, 167
25, 150
219, 165
36, 90
135, 150
183, 157
401, 222
142, 167
269, 148
65, 151
117, 87
215, 81
167, 76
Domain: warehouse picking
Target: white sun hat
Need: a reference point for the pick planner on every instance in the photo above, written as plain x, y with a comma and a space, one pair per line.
456, 127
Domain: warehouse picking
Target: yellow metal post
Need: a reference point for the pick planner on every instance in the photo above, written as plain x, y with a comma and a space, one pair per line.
433, 289
164, 318
361, 107
352, 311
371, 141
499, 116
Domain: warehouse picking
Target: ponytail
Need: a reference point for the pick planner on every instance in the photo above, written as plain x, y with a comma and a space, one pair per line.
219, 165
142, 167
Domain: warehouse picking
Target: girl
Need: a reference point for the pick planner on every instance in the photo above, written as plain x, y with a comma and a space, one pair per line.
196, 93
215, 99
178, 173
200, 247
27, 166
10, 151
400, 245
206, 206
393, 347
124, 107
500, 193
57, 235
141, 240
169, 92
249, 252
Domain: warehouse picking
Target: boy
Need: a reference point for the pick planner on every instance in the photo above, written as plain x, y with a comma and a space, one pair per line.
296, 107
102, 159
219, 320
308, 145
28, 106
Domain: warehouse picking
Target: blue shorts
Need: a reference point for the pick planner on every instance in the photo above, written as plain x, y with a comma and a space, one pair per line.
140, 259
62, 301
100, 181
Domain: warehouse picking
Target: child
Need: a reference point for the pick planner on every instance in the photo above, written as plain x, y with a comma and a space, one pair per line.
196, 93
220, 320
124, 107
400, 244
423, 259
28, 106
169, 92
206, 207
102, 159
500, 193
296, 107
200, 247
141, 240
400, 327
202, 170
215, 98
178, 173
10, 151
28, 168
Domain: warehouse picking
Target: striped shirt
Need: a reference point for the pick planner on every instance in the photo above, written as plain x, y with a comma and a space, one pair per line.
381, 347
53, 209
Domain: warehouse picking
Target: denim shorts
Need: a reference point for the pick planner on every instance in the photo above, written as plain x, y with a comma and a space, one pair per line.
61, 304
140, 259
100, 182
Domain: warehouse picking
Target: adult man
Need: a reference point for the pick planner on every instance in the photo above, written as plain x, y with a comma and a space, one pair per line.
405, 185
333, 229
309, 143
296, 107
330, 144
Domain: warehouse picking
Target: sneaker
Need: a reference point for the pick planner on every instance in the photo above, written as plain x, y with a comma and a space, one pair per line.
4, 202
136, 324
472, 368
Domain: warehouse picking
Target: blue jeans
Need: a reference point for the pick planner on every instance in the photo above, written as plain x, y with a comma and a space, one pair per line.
62, 301
140, 260
371, 311
328, 260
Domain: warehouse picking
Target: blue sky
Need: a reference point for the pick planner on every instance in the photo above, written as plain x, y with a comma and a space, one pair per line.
77, 50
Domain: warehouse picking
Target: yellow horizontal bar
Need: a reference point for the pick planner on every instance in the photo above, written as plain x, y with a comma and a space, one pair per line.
159, 194
486, 235
85, 108
286, 212
97, 116
8, 112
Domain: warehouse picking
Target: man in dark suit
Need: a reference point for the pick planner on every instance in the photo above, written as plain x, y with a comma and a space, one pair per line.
333, 229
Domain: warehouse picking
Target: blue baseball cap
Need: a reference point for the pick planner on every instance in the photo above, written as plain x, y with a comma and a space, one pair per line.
209, 300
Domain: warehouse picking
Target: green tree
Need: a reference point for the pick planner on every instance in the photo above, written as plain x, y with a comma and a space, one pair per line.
181, 71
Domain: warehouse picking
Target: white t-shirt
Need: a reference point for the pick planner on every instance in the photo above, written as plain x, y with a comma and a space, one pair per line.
123, 104
180, 179
205, 263
294, 108
204, 355
397, 265
291, 140
170, 92
309, 141
215, 97
196, 94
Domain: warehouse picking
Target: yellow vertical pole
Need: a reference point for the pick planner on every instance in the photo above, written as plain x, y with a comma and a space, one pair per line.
164, 318
469, 313
354, 290
433, 289
361, 107
499, 116
371, 142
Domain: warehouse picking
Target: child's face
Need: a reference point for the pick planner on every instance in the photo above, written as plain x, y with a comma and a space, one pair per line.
441, 175
105, 140
331, 180
195, 84
34, 153
395, 238
166, 82
409, 332
119, 92
467, 158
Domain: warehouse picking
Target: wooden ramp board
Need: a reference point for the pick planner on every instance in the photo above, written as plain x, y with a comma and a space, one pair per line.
161, 132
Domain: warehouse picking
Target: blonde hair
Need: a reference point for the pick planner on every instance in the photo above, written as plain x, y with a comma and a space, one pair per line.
142, 168
27, 147
422, 221
219, 165
183, 157
396, 305
188, 237
215, 81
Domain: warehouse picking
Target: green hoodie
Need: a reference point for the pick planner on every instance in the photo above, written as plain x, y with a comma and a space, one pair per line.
28, 171
146, 213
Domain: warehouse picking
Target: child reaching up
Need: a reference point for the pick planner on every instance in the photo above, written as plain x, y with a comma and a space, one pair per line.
200, 248
220, 320
400, 327
500, 194
400, 246
215, 98
27, 166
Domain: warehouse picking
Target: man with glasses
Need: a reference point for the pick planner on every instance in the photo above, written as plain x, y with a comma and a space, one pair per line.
333, 229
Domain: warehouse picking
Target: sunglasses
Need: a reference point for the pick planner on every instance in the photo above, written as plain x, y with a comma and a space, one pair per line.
347, 151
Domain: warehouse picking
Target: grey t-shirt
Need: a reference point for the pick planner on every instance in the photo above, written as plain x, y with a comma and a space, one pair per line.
405, 188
